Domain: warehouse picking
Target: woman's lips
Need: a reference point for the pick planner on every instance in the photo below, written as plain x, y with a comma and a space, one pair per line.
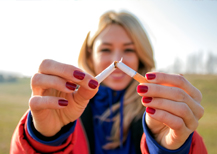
117, 75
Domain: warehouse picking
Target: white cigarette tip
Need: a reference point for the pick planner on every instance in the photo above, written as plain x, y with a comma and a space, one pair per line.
105, 73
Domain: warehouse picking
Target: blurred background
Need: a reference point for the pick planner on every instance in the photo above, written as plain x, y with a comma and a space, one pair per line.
183, 34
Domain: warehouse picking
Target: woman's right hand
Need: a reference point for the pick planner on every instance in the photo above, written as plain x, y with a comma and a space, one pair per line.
51, 112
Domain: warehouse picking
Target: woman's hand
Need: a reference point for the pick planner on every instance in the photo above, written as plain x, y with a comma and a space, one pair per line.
51, 112
173, 108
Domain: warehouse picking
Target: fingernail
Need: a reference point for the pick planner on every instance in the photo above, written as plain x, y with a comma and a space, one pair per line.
142, 89
63, 102
150, 110
79, 75
93, 84
150, 76
146, 99
71, 86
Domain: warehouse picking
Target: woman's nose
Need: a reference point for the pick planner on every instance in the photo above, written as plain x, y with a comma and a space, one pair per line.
117, 57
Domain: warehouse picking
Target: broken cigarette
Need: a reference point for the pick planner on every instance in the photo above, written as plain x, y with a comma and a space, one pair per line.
138, 77
100, 77
105, 73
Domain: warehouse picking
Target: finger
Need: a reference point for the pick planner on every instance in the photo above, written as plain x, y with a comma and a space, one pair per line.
177, 132
175, 80
179, 109
68, 72
174, 122
171, 93
83, 95
37, 103
155, 90
40, 82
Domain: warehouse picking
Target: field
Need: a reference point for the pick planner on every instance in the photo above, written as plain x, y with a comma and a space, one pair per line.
14, 102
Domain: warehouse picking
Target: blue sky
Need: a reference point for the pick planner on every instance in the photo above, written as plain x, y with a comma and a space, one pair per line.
31, 31
196, 18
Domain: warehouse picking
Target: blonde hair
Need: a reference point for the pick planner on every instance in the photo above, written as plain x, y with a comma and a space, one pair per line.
133, 109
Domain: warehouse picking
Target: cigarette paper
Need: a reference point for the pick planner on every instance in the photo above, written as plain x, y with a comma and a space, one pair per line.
100, 77
138, 77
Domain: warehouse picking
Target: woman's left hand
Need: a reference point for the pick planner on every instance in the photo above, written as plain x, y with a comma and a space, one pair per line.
173, 108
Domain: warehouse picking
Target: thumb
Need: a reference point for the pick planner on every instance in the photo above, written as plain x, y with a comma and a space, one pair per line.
83, 94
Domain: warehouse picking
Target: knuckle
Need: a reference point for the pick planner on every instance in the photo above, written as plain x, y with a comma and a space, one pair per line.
184, 109
163, 116
200, 96
181, 95
181, 80
200, 113
35, 79
194, 125
44, 64
178, 124
64, 69
32, 102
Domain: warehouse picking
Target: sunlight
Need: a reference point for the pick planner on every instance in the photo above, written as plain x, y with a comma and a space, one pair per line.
36, 30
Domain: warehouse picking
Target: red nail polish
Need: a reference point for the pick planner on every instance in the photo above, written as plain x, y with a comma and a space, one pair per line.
93, 84
71, 86
150, 76
150, 110
142, 89
63, 102
79, 75
146, 99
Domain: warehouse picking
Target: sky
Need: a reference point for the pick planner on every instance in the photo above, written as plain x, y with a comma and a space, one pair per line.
33, 30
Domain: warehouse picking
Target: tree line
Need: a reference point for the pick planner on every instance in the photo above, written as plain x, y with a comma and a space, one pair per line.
196, 63
9, 78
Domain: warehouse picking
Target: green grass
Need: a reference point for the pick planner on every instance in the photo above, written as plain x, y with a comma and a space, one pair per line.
207, 84
14, 102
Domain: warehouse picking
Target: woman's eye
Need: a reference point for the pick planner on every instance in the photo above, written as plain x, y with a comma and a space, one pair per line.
129, 50
105, 50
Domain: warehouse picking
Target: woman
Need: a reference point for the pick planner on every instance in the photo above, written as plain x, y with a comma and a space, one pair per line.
108, 118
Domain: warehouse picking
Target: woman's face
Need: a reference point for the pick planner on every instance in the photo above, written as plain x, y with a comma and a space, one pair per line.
112, 44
